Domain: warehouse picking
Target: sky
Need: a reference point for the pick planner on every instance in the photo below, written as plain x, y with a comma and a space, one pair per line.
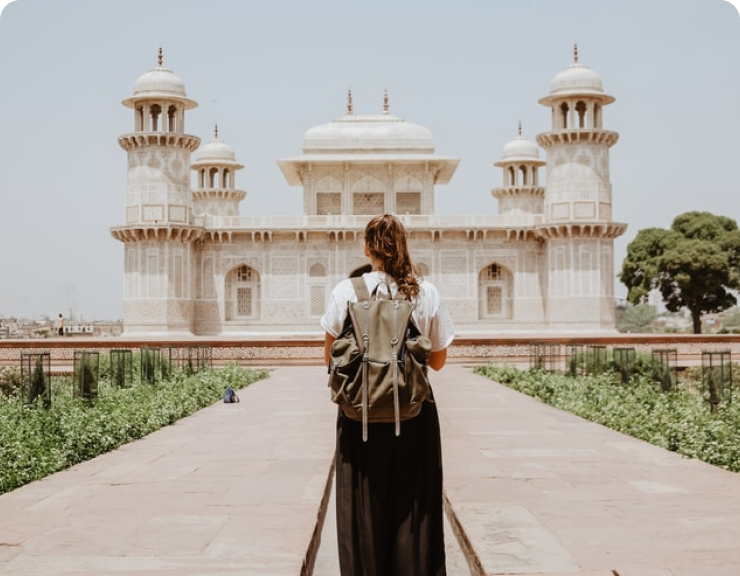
265, 72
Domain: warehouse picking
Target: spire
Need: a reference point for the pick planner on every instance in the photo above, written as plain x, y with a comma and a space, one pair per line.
575, 53
215, 131
349, 102
520, 129
159, 57
385, 101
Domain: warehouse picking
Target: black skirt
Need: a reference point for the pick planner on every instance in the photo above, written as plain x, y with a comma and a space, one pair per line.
390, 519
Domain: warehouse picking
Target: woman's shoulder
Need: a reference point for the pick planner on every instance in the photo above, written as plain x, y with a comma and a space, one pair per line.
344, 286
428, 292
427, 287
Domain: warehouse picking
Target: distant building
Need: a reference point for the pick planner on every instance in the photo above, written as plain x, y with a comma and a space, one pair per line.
78, 329
195, 265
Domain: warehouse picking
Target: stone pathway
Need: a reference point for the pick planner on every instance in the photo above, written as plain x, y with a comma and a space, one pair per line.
238, 489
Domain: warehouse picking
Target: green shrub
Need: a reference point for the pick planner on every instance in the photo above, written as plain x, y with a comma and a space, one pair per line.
10, 380
678, 420
36, 443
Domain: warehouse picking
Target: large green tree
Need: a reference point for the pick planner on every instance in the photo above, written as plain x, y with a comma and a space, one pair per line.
694, 265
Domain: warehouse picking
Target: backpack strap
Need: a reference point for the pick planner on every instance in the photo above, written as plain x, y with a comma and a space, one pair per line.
358, 283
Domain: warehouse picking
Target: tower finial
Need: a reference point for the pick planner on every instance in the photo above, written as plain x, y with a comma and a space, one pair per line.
520, 128
575, 53
349, 101
215, 131
159, 57
385, 100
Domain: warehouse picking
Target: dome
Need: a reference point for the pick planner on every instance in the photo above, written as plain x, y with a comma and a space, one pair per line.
216, 152
520, 149
367, 140
159, 83
367, 133
576, 80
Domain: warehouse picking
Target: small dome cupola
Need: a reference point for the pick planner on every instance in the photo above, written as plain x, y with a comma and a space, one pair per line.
159, 83
576, 98
216, 151
577, 80
520, 149
216, 193
216, 164
159, 101
521, 192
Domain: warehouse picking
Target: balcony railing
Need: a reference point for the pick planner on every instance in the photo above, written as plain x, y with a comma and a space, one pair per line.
333, 222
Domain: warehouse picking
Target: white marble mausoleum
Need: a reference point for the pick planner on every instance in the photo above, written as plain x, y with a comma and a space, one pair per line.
194, 265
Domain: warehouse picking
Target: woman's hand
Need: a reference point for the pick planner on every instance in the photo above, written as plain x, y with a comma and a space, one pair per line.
437, 359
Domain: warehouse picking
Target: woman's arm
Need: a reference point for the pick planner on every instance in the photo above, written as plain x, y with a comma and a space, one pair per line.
328, 341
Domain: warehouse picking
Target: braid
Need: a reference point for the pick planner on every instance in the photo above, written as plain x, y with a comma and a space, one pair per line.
385, 237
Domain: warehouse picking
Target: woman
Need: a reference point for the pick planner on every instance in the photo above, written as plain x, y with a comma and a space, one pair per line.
390, 519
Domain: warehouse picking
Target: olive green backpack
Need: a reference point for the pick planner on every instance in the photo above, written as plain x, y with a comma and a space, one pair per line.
378, 368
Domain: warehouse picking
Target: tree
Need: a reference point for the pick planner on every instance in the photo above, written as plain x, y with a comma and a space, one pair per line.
695, 264
636, 318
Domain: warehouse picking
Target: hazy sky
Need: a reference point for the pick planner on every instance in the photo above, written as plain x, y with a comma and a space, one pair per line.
469, 70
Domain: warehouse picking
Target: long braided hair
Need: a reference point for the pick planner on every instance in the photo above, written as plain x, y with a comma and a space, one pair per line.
385, 237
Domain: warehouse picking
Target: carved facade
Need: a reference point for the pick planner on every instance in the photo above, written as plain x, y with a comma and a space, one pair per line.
194, 265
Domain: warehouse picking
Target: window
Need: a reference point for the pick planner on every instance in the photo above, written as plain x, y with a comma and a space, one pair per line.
317, 289
494, 301
581, 110
318, 300
328, 203
242, 293
244, 301
495, 289
408, 203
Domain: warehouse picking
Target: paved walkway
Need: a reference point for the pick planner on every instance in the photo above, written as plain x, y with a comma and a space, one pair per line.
238, 489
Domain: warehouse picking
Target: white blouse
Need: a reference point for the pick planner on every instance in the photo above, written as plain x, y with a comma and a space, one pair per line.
430, 314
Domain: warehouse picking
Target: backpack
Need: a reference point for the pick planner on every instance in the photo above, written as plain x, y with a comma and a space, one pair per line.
230, 396
378, 367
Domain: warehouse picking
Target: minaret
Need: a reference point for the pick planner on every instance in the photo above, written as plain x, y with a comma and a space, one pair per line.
578, 228
159, 232
521, 193
216, 194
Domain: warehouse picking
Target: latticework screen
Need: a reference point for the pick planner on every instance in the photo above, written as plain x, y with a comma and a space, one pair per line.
408, 203
328, 203
317, 300
244, 301
494, 301
368, 203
